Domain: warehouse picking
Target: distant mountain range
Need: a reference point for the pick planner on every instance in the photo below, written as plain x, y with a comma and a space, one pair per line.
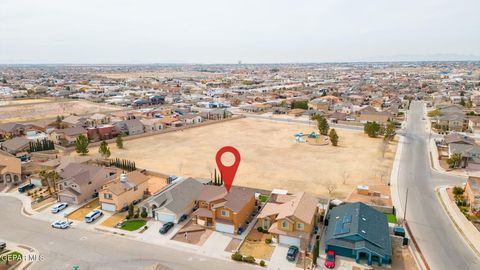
423, 57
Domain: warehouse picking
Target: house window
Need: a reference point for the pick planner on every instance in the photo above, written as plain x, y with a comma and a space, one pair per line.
225, 213
299, 226
285, 224
90, 182
107, 196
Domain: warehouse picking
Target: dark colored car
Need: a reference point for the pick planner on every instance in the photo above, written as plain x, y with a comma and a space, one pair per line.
183, 218
330, 260
26, 187
292, 253
166, 227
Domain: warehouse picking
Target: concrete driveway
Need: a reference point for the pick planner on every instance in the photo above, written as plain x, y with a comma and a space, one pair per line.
279, 259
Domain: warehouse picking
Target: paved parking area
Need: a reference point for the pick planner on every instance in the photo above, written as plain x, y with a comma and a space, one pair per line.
279, 260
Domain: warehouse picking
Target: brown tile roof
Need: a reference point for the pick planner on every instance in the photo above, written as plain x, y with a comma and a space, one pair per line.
10, 164
302, 206
134, 179
235, 200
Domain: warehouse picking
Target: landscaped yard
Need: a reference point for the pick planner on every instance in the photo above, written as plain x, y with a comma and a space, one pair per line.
114, 219
391, 218
133, 225
80, 213
254, 245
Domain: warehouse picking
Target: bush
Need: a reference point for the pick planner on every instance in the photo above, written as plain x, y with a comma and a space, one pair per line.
144, 214
128, 217
237, 257
249, 259
262, 263
260, 229
268, 241
136, 216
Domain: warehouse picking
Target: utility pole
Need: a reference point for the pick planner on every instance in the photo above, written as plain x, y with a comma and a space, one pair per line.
405, 208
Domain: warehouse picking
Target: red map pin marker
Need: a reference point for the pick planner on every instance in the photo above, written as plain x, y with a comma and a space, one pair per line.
228, 172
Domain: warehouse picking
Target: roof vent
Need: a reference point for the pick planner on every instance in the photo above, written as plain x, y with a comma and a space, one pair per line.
123, 178
363, 231
364, 219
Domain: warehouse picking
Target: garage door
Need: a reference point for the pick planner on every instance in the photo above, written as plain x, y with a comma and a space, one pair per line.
289, 241
164, 217
108, 207
226, 228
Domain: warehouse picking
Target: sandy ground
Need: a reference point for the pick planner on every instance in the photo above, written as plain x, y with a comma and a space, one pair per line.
31, 112
22, 101
270, 156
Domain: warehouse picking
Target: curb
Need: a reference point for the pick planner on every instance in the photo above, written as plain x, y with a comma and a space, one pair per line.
454, 223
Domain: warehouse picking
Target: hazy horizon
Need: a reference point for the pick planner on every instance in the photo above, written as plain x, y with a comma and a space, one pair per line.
225, 32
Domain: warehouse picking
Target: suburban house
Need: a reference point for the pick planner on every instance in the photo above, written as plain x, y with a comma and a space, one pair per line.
222, 210
75, 121
290, 218
81, 182
11, 130
474, 124
466, 146
152, 125
359, 231
174, 201
191, 118
10, 170
129, 127
171, 121
101, 132
123, 191
319, 104
67, 136
15, 145
472, 191
98, 119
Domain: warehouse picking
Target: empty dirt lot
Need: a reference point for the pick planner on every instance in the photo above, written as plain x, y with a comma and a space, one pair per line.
45, 110
270, 156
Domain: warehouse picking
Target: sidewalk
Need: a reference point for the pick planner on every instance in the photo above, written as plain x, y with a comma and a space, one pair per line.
464, 227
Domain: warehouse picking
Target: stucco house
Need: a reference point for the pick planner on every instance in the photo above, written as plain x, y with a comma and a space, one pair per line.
67, 136
172, 202
290, 218
81, 182
10, 170
224, 211
123, 191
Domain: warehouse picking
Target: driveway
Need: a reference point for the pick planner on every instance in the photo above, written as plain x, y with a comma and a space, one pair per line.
279, 259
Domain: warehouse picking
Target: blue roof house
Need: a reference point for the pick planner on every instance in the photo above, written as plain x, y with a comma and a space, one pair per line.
359, 231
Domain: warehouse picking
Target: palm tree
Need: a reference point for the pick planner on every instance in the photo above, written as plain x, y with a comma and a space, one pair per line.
53, 176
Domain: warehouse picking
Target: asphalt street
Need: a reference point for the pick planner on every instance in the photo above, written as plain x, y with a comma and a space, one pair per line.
64, 249
440, 243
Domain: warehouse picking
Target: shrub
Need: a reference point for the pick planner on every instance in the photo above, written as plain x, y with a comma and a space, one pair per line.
128, 217
262, 263
268, 241
237, 257
144, 214
249, 259
136, 215
260, 229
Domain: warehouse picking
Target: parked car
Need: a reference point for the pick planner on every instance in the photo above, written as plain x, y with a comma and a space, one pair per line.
330, 260
92, 216
3, 245
26, 187
292, 253
240, 230
58, 207
172, 178
183, 218
60, 224
166, 227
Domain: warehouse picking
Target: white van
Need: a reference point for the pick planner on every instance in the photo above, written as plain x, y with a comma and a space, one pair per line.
92, 216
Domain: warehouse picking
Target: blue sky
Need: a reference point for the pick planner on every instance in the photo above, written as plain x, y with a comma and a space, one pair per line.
225, 31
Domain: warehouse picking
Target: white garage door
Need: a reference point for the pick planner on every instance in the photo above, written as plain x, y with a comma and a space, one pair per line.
164, 217
227, 228
290, 241
108, 207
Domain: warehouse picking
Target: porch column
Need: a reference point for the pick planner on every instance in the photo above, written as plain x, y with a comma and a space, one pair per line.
369, 258
357, 259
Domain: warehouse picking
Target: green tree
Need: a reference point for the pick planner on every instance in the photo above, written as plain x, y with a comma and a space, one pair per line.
333, 137
469, 103
462, 102
119, 141
372, 129
434, 113
81, 145
104, 150
130, 211
454, 160
322, 125
316, 252
389, 132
